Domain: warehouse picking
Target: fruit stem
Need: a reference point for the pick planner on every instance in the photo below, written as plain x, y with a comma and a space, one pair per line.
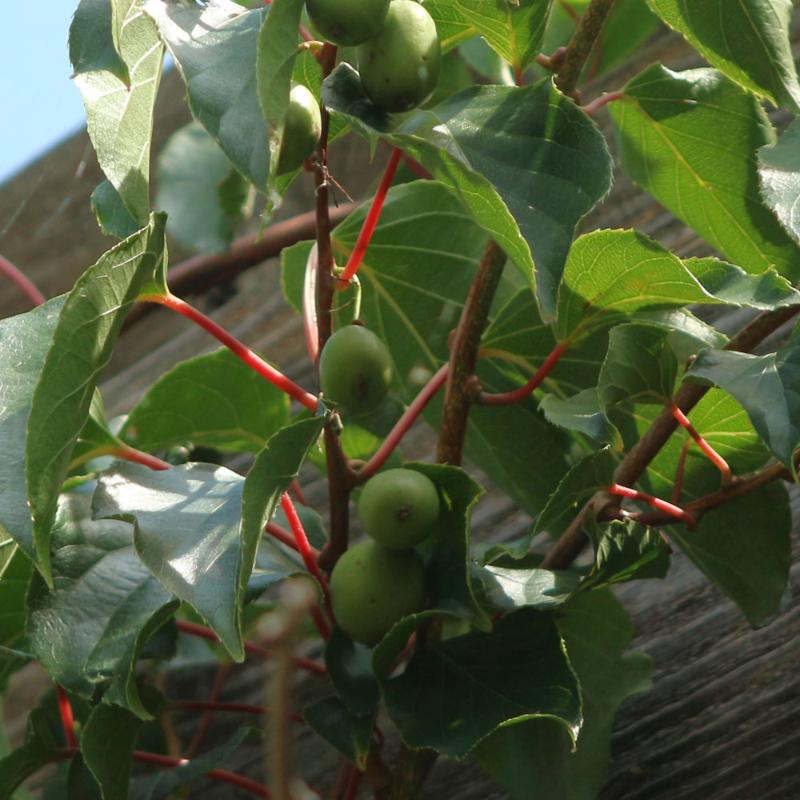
403, 425
67, 717
713, 456
255, 362
21, 281
202, 632
370, 221
307, 552
655, 502
517, 395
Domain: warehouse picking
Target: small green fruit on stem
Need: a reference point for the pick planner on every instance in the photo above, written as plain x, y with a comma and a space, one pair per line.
373, 587
399, 68
398, 507
347, 22
355, 369
302, 126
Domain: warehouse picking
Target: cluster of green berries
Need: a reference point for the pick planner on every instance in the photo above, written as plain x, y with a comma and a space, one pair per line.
382, 579
399, 58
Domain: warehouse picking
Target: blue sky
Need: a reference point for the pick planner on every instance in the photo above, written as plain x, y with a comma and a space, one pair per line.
40, 104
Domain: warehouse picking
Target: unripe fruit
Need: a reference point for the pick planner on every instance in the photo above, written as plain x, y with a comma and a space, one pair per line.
355, 369
347, 22
372, 588
399, 68
302, 127
398, 507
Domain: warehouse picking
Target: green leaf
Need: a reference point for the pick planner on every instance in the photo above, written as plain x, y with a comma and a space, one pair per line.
629, 24
84, 339
525, 162
640, 365
767, 386
668, 125
535, 759
581, 413
89, 630
613, 274
38, 751
744, 548
96, 438
720, 420
214, 48
186, 533
192, 171
24, 342
277, 51
15, 577
748, 41
593, 472
162, 784
350, 669
107, 742
509, 589
779, 177
109, 210
119, 107
274, 468
457, 692
514, 31
95, 38
627, 551
213, 400
345, 731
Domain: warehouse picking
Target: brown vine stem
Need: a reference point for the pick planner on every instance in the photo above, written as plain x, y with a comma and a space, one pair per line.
573, 540
340, 476
460, 394
580, 47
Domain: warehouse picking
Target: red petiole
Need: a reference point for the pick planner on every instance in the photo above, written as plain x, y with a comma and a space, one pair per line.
517, 395
21, 281
67, 717
255, 362
202, 632
654, 502
139, 457
404, 423
371, 220
306, 551
716, 459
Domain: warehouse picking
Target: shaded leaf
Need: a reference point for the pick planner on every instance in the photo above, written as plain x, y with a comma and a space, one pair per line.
593, 472
39, 750
107, 742
192, 172
627, 551
668, 124
767, 386
349, 666
213, 400
457, 692
89, 630
214, 47
109, 210
345, 731
84, 339
24, 342
15, 577
744, 548
640, 365
747, 40
525, 162
535, 759
779, 177
119, 107
581, 413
